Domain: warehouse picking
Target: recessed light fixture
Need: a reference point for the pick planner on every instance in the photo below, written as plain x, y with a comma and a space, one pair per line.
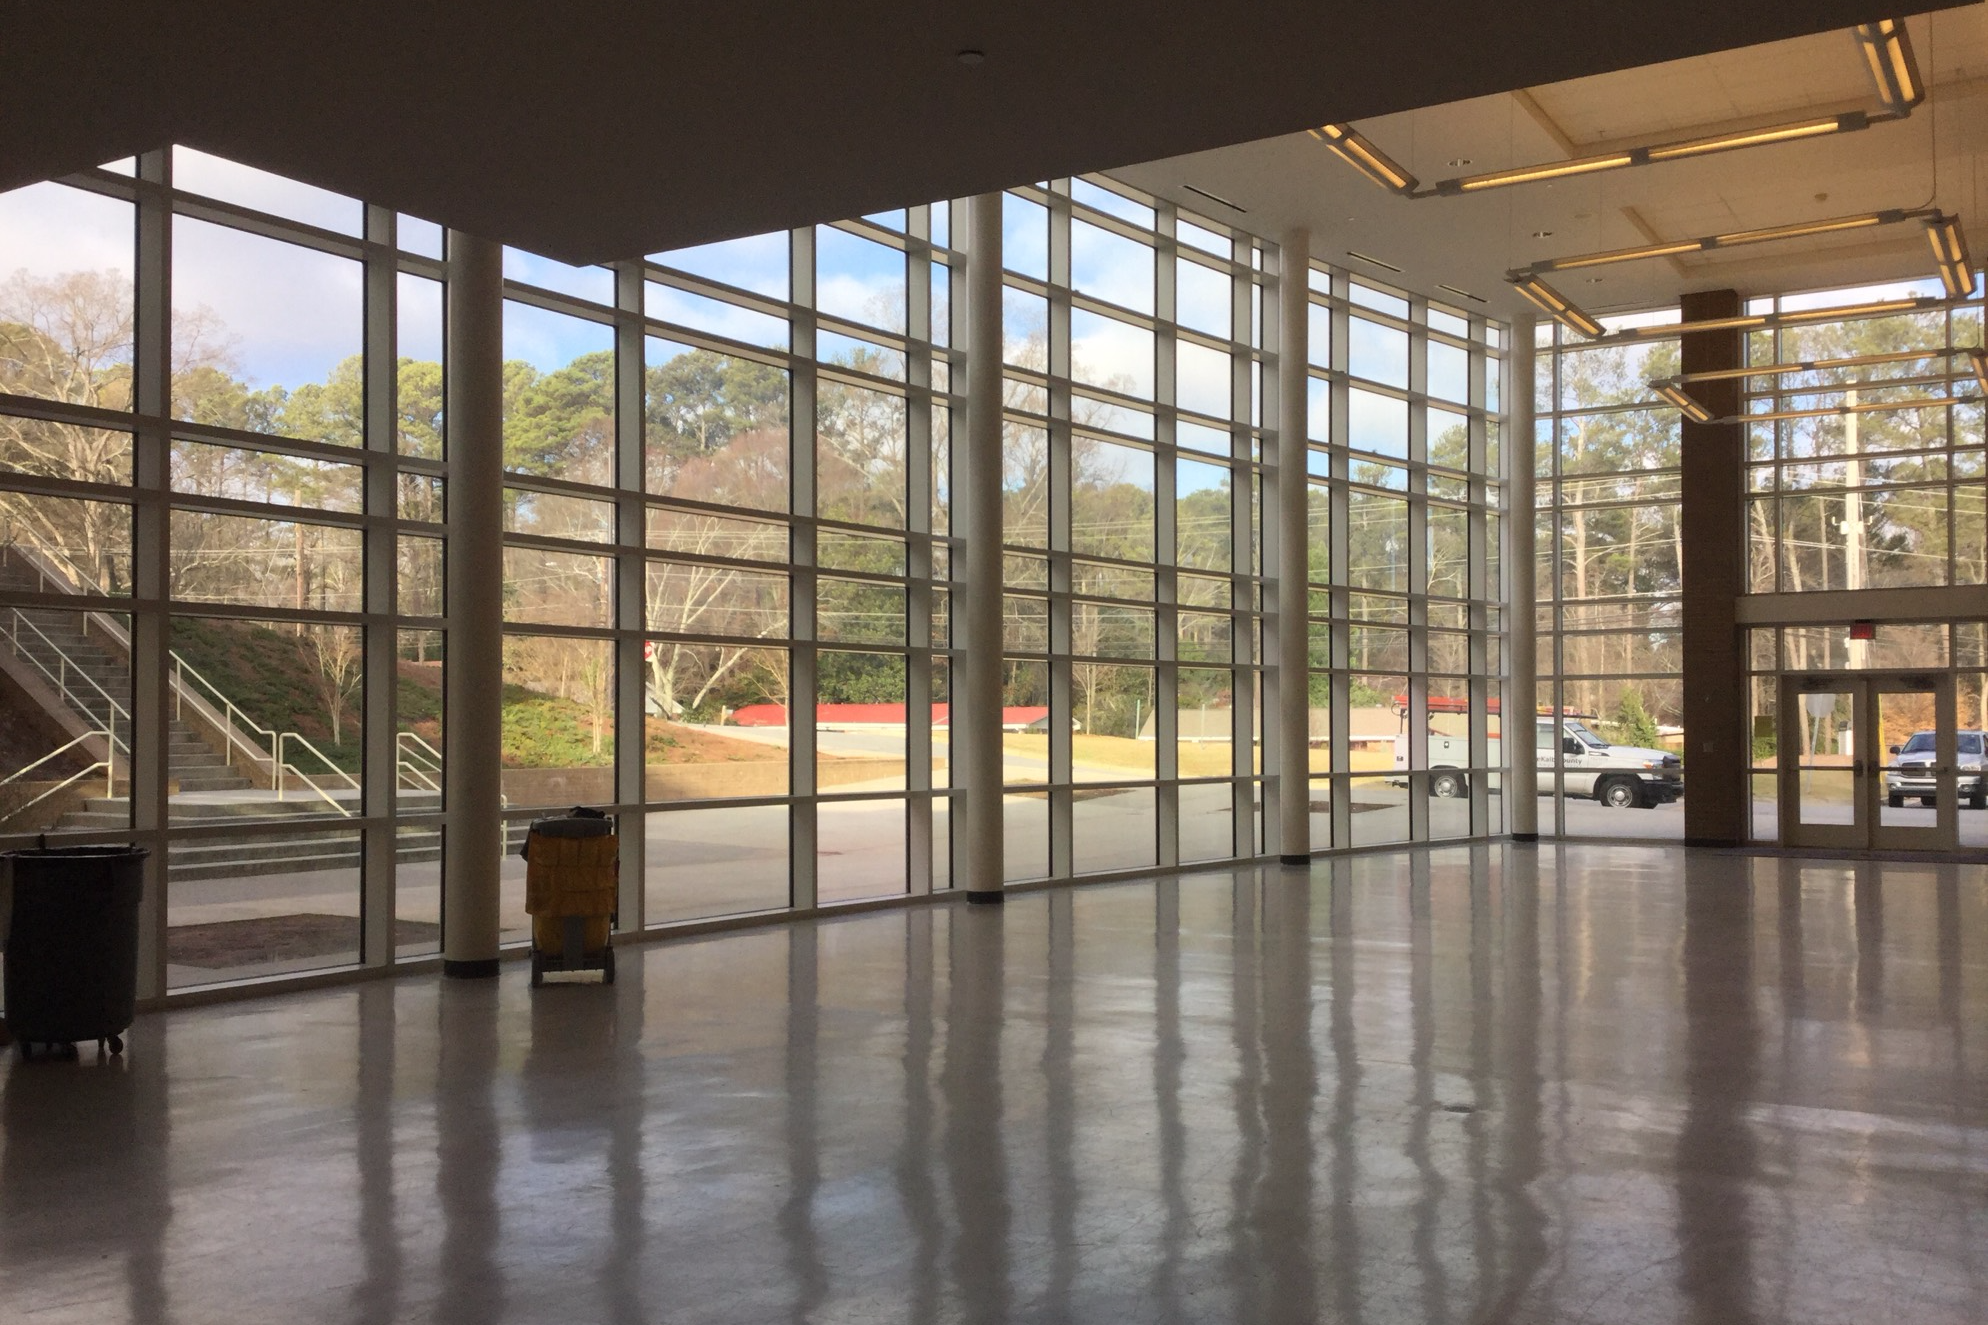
1459, 161
1463, 294
1385, 266
1542, 234
1216, 197
971, 57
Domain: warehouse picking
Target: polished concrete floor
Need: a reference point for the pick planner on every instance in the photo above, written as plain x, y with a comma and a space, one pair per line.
1588, 1083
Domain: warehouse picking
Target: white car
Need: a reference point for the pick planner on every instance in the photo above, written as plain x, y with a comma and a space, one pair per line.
1620, 776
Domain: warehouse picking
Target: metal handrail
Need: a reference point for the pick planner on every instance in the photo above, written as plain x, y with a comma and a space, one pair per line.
60, 749
231, 719
417, 761
103, 765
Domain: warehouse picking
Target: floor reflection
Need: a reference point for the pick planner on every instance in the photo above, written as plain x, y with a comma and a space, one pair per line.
1599, 1083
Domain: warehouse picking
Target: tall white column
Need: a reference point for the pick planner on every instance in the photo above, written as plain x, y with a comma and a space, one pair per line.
1522, 693
1289, 653
474, 661
976, 710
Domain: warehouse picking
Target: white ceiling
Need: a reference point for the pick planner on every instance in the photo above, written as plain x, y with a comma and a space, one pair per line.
1938, 157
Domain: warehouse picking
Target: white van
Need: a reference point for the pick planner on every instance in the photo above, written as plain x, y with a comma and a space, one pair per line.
1620, 776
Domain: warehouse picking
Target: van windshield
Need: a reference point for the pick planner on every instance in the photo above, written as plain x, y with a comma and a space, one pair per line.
1921, 743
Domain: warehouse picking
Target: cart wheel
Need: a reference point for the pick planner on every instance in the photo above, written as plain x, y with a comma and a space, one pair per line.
117, 1044
607, 967
27, 1050
538, 970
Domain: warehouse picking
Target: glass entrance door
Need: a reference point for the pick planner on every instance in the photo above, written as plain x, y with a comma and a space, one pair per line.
1873, 761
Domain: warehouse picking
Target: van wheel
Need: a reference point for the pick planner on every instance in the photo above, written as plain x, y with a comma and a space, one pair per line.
1619, 794
1448, 786
1979, 800
1896, 800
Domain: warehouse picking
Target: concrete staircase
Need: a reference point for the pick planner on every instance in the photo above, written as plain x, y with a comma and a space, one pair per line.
91, 676
58, 647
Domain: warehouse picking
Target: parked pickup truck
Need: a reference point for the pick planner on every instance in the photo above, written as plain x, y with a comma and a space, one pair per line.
1620, 776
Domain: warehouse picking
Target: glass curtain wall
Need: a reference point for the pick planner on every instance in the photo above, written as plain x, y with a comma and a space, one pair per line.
1890, 495
223, 503
1132, 490
222, 485
1608, 550
1406, 580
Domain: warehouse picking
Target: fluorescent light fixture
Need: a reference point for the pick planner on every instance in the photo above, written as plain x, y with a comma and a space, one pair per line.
1351, 147
1888, 52
1735, 239
1779, 133
1543, 297
1681, 398
1950, 255
1551, 170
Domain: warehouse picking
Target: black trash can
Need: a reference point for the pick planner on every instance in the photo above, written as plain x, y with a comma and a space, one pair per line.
72, 947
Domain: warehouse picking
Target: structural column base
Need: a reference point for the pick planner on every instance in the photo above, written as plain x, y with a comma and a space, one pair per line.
983, 898
1294, 860
1525, 837
484, 969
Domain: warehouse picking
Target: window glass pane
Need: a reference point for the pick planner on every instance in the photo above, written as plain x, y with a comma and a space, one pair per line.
1115, 204
558, 721
666, 303
266, 707
715, 862
691, 599
1105, 352
229, 181
1024, 237
1203, 515
1203, 298
558, 588
1114, 830
1318, 336
265, 476
1111, 500
595, 284
1378, 353
1208, 241
1112, 706
1374, 299
265, 563
1377, 535
717, 720
757, 263
418, 380
555, 515
64, 450
1203, 380
68, 733
1449, 372
66, 295
859, 280
1377, 423
1024, 329
715, 427
558, 395
422, 238
233, 912
1109, 266
716, 536
861, 850
860, 455
267, 336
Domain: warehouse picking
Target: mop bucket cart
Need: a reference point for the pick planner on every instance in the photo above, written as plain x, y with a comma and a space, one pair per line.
572, 883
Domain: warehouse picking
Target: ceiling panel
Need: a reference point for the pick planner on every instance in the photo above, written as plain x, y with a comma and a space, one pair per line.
1938, 157
599, 129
